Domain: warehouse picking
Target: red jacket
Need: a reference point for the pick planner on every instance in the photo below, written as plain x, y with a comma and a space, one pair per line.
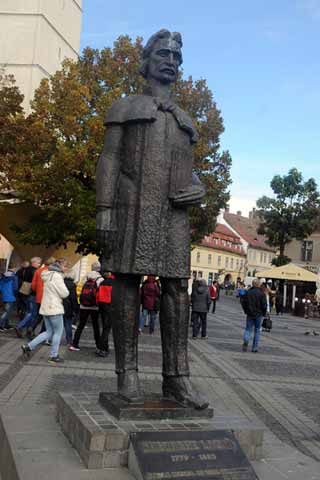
104, 294
213, 291
37, 283
150, 292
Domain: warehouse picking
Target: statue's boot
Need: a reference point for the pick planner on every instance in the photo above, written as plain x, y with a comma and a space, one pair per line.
182, 390
174, 320
129, 386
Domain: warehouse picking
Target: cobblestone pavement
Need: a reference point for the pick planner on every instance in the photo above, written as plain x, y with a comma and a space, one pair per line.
279, 386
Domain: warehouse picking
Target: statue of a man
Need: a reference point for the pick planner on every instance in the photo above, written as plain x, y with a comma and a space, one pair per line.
145, 185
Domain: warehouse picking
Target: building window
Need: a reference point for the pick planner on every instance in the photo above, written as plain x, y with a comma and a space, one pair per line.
306, 250
231, 263
264, 258
254, 255
209, 259
237, 264
198, 257
241, 264
199, 275
219, 261
227, 262
194, 274
261, 257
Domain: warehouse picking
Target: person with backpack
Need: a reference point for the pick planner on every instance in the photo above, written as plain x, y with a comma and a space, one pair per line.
8, 290
89, 307
104, 298
70, 305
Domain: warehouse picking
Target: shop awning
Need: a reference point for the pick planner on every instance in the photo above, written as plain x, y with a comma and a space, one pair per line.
289, 272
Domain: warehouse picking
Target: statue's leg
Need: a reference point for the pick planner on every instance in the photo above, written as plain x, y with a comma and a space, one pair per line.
174, 321
125, 325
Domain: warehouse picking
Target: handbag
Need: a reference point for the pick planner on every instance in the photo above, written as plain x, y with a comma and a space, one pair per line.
25, 288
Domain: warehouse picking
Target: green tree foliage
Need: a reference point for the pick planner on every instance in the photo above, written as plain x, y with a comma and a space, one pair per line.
52, 161
292, 213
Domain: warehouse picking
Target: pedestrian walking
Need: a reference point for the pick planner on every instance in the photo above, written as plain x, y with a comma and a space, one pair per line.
37, 288
70, 305
89, 307
26, 289
150, 294
200, 302
21, 298
54, 291
255, 307
279, 302
8, 290
213, 291
104, 298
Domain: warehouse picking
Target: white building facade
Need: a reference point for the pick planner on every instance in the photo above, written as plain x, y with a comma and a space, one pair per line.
35, 37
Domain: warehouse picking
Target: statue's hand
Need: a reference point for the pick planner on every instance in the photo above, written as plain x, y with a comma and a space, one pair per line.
189, 197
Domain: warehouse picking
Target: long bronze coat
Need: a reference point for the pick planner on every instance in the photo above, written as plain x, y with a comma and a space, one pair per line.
147, 160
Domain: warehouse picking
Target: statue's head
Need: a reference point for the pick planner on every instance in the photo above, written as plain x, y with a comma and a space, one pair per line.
162, 56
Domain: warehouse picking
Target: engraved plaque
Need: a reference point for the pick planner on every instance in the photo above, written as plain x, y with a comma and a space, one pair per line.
188, 455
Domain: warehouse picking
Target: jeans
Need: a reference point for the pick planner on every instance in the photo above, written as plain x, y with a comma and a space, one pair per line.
31, 315
84, 315
256, 323
53, 333
67, 322
143, 319
199, 319
4, 319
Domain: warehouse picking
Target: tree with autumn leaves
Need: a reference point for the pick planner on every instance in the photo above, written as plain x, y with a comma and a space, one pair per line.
49, 157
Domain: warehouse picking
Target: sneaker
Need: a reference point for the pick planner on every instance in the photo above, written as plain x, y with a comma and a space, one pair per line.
48, 343
74, 327
204, 338
194, 337
18, 332
55, 360
26, 350
244, 347
72, 348
2, 330
101, 353
254, 351
8, 328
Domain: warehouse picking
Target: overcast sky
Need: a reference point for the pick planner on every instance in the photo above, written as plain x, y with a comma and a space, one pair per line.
260, 59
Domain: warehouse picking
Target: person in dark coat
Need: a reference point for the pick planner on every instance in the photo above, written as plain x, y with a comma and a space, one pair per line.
255, 309
150, 294
200, 301
71, 306
21, 298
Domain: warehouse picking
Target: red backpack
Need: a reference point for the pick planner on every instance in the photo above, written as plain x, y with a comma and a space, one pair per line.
89, 293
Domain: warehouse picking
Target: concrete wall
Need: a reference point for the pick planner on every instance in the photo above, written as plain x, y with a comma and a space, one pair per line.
36, 36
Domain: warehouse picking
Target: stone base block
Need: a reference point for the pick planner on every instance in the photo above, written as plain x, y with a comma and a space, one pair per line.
103, 441
152, 407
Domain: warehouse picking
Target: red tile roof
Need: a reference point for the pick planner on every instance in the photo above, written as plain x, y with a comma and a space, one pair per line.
224, 239
247, 229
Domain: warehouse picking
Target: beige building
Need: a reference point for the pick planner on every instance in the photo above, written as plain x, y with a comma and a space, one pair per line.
259, 254
305, 253
220, 256
35, 37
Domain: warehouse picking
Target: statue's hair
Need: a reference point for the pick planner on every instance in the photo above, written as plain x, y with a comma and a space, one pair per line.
150, 45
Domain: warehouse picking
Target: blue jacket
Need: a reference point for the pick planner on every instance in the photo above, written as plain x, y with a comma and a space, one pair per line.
9, 286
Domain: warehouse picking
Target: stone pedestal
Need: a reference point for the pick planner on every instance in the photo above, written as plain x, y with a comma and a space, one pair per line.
152, 407
103, 441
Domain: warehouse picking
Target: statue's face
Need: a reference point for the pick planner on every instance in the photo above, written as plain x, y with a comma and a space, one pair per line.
164, 61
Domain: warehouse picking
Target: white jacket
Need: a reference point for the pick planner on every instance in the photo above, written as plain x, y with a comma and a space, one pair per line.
54, 291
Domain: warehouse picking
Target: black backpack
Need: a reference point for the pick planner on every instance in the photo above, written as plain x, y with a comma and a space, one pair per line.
89, 293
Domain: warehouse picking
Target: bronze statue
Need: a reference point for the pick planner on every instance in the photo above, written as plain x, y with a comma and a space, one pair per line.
145, 185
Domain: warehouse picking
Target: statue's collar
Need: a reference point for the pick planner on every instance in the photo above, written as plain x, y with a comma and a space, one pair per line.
144, 108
